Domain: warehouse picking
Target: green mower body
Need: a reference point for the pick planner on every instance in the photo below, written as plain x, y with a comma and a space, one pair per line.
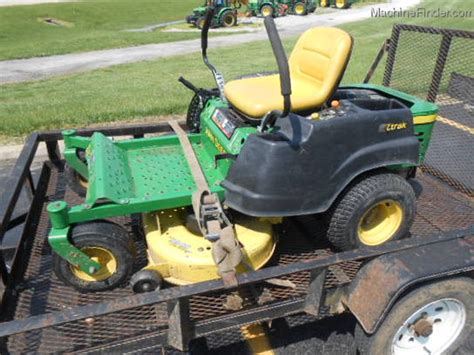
150, 174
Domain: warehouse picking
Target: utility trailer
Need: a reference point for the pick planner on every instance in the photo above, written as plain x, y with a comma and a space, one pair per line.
305, 275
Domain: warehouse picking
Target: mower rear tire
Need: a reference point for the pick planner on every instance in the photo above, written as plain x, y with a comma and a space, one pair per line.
193, 117
197, 104
267, 11
372, 211
434, 318
300, 9
75, 181
105, 242
228, 19
324, 3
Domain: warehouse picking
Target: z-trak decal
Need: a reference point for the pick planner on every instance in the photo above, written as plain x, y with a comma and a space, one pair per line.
391, 127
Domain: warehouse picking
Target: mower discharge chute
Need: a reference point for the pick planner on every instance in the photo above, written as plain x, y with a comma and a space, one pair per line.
258, 149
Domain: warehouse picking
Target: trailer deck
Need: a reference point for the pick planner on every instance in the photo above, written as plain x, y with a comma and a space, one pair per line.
441, 208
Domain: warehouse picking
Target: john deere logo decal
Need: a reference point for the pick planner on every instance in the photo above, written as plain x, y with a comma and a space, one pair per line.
391, 127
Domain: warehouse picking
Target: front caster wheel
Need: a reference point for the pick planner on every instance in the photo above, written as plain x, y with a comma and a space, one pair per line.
146, 281
106, 243
373, 211
437, 318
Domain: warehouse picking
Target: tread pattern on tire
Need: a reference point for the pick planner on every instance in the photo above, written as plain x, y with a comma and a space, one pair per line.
343, 210
107, 231
365, 342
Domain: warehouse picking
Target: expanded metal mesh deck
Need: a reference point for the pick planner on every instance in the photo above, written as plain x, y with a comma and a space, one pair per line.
436, 64
440, 208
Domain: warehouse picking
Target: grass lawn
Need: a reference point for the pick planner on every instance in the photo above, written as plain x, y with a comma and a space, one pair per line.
88, 25
151, 88
93, 24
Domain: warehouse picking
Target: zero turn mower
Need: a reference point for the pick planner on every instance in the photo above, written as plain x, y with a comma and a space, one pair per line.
258, 149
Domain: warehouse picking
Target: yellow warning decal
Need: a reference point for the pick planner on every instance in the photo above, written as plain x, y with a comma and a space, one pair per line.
214, 140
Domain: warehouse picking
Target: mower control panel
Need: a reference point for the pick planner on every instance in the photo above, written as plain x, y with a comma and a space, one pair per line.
358, 106
336, 110
226, 122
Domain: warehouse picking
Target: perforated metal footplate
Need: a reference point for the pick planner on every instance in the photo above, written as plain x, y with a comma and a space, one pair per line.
131, 172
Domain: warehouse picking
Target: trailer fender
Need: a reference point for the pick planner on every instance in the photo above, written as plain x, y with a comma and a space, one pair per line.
381, 281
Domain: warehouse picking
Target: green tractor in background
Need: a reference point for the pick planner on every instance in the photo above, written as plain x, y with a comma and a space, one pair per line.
276, 8
339, 4
225, 13
302, 8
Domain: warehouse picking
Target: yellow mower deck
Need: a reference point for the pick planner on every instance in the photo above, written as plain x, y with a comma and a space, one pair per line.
182, 257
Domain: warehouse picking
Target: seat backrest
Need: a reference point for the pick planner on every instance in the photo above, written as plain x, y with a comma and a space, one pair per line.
321, 56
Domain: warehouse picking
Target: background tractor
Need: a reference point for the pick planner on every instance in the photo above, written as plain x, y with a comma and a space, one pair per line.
266, 8
339, 4
301, 7
225, 13
276, 8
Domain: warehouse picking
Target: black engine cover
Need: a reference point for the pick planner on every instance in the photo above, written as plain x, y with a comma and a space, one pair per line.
304, 166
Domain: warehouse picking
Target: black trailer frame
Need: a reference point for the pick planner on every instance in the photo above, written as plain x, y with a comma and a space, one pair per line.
457, 244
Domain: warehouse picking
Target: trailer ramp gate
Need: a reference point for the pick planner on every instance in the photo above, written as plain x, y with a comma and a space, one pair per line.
118, 321
447, 78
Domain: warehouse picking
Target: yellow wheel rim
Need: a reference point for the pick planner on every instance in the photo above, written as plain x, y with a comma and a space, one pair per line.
267, 11
323, 3
83, 182
201, 23
299, 9
104, 257
229, 21
340, 4
380, 222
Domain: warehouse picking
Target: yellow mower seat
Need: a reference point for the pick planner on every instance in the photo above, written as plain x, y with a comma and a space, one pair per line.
316, 65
